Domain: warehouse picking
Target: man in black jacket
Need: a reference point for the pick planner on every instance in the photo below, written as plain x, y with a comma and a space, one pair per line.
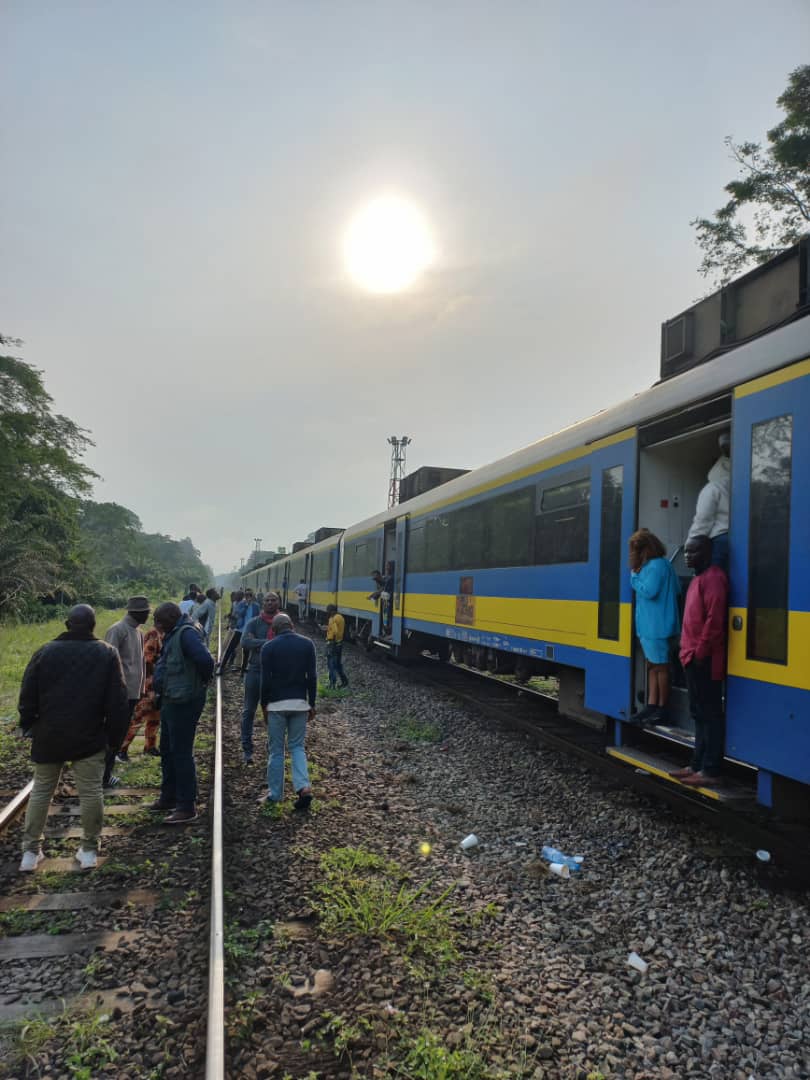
73, 704
289, 685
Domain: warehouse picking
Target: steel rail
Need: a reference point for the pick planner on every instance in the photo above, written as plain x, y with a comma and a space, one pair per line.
14, 808
215, 1035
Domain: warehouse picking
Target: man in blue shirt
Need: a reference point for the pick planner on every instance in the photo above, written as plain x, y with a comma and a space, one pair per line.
289, 685
243, 611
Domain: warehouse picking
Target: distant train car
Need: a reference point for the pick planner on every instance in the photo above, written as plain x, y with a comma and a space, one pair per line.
522, 565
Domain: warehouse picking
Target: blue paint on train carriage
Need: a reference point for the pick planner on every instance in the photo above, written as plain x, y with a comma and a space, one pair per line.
607, 677
768, 728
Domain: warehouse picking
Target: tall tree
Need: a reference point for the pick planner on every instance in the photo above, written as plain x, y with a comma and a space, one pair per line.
769, 207
41, 478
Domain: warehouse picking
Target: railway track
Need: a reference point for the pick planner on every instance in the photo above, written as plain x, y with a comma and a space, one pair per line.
536, 715
108, 956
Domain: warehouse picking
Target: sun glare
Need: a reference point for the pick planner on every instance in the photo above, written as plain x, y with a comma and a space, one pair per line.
387, 245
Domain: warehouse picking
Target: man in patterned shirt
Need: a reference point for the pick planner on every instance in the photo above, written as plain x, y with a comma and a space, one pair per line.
146, 711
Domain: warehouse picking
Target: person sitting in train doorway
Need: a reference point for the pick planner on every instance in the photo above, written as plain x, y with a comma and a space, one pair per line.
657, 619
289, 686
335, 629
301, 593
703, 655
257, 631
711, 512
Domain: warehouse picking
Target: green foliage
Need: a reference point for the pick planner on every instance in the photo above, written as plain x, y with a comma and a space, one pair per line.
84, 1042
415, 729
55, 545
772, 191
243, 1014
240, 942
427, 1058
364, 894
17, 921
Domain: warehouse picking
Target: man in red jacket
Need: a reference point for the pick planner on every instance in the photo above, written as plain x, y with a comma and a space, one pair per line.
703, 656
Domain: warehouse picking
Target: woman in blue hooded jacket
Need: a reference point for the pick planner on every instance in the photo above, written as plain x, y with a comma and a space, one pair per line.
657, 618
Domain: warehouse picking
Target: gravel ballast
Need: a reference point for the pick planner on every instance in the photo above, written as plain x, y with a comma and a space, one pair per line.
539, 984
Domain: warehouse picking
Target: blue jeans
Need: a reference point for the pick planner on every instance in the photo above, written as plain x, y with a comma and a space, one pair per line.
293, 725
253, 685
334, 662
178, 726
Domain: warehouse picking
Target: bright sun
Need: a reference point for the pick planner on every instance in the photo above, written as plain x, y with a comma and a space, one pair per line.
387, 245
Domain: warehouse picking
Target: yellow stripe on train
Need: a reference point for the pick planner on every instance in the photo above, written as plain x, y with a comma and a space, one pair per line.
796, 672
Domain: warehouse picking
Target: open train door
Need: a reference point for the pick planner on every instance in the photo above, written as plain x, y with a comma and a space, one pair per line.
768, 683
398, 598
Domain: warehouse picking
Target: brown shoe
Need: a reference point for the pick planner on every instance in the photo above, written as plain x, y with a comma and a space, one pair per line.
681, 774
699, 779
181, 817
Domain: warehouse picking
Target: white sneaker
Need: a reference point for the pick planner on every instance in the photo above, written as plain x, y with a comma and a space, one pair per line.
87, 860
31, 860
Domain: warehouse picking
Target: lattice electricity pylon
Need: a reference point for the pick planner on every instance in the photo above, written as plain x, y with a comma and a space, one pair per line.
398, 446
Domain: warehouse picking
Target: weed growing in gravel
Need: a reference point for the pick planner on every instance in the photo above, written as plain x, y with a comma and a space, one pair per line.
240, 942
142, 771
427, 1058
481, 985
415, 729
17, 921
364, 893
331, 693
243, 1014
346, 1037
83, 1040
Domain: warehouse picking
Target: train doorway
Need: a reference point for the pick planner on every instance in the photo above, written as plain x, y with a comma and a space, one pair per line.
674, 459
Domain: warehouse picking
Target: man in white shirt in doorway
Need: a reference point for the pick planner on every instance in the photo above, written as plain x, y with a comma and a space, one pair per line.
301, 592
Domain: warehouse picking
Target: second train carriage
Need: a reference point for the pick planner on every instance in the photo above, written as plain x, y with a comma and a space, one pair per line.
522, 564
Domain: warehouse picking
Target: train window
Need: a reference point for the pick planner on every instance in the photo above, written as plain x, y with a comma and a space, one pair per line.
561, 529
610, 552
322, 566
416, 547
510, 528
469, 532
357, 562
438, 542
769, 539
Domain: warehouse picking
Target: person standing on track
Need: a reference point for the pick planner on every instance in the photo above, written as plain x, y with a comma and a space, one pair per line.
289, 685
126, 637
657, 619
180, 682
205, 613
703, 655
335, 629
246, 610
257, 631
146, 711
189, 601
73, 704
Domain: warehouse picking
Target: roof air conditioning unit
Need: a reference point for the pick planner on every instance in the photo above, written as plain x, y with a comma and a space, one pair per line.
677, 343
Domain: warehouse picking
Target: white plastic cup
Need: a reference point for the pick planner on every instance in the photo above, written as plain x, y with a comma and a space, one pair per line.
469, 841
560, 869
635, 962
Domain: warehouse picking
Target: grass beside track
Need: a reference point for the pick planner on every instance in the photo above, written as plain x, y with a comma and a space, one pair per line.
18, 642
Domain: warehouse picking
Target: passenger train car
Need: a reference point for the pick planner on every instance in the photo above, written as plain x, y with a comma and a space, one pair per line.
521, 566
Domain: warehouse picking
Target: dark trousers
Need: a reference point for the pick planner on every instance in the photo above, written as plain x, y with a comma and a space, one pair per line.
109, 761
230, 648
706, 710
178, 726
334, 662
253, 685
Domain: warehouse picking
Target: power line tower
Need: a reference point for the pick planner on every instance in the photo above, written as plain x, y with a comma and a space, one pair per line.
398, 447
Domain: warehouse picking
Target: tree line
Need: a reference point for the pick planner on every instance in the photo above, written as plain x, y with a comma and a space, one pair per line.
56, 544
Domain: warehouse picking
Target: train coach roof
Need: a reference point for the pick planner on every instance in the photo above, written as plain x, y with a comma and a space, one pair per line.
767, 353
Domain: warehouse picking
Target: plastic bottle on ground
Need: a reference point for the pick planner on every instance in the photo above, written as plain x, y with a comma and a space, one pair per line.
554, 855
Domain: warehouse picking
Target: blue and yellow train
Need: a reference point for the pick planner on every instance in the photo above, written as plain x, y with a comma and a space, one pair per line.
521, 566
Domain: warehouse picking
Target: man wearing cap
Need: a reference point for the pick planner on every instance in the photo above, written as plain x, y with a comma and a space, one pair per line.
128, 640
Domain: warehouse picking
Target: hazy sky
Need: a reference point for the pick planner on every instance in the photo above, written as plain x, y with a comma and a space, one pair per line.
176, 178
